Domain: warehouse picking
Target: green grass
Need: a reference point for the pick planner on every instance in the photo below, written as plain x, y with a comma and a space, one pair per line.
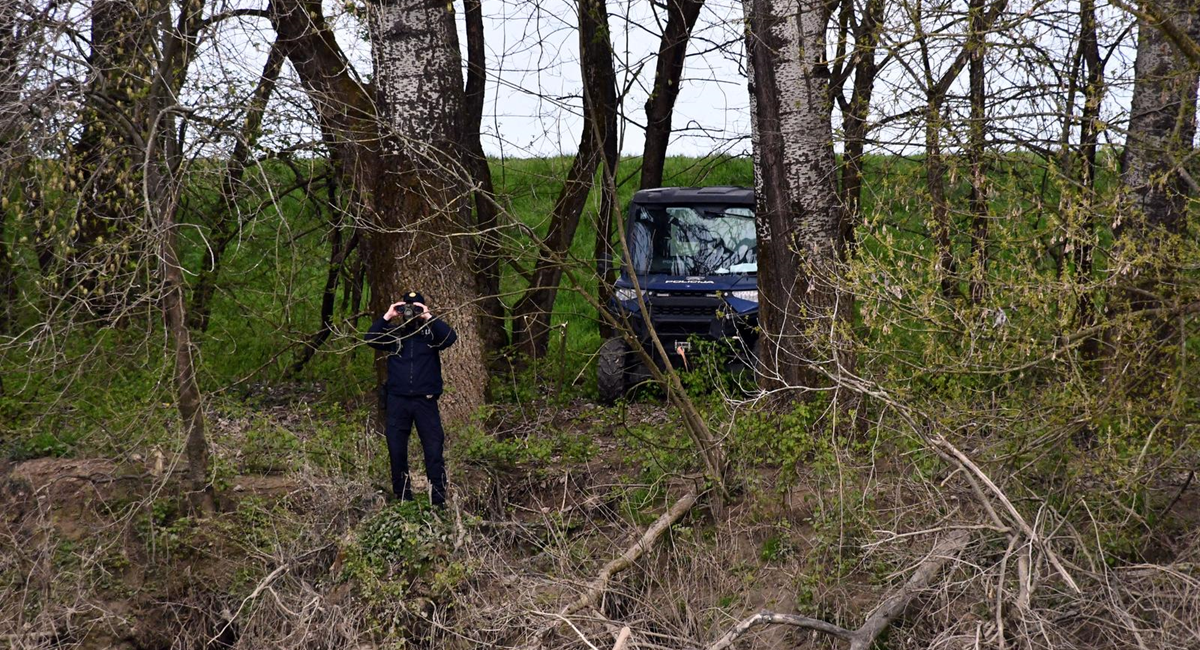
90, 384
91, 388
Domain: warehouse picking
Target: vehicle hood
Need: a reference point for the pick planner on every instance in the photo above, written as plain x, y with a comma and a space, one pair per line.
728, 282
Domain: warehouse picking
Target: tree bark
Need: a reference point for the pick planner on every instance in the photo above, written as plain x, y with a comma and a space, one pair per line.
487, 257
343, 106
122, 63
1089, 133
11, 83
977, 48
531, 315
854, 115
801, 307
420, 237
1162, 127
660, 106
162, 157
604, 87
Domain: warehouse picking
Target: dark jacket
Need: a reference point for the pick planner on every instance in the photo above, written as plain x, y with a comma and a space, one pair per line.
414, 366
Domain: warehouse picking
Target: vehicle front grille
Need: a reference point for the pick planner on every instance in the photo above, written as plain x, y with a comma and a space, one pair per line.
685, 310
685, 294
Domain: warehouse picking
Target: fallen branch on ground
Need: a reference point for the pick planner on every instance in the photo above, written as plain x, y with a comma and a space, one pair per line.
631, 554
888, 610
774, 618
597, 587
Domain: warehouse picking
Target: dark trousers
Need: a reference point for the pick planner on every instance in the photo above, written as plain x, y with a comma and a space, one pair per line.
402, 412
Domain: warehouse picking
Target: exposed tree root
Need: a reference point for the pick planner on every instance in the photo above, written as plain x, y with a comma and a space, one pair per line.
880, 619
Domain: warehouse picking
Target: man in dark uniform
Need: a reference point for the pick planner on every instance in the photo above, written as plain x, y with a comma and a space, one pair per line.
413, 340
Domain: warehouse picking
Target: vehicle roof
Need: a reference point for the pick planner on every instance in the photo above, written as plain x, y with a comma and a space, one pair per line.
722, 194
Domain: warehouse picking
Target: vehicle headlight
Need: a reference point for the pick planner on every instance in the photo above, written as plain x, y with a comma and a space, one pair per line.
625, 294
751, 295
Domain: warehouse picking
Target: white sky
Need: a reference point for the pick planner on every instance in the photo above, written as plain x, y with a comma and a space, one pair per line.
533, 96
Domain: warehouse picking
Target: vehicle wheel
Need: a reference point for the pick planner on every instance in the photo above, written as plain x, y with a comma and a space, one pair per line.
610, 370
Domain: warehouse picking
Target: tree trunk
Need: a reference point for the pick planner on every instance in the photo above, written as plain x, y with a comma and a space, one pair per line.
11, 84
227, 221
935, 166
338, 252
346, 114
420, 238
801, 306
604, 89
531, 316
162, 156
200, 494
935, 180
1089, 133
344, 108
854, 116
487, 257
977, 48
672, 52
1162, 126
105, 160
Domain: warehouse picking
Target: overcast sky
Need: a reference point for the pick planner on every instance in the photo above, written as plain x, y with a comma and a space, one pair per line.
533, 95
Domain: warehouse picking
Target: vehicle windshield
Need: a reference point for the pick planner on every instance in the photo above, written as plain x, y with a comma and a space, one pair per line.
695, 240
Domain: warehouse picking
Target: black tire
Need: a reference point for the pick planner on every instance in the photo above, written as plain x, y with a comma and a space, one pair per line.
610, 370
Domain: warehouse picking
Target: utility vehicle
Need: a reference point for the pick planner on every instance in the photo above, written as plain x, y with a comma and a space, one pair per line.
693, 252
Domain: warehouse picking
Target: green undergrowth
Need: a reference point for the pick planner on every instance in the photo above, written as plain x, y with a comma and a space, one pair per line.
402, 555
475, 445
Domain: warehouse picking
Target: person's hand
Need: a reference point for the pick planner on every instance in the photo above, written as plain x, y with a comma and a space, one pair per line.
425, 315
391, 312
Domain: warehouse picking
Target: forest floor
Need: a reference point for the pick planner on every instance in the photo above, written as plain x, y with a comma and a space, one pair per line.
105, 555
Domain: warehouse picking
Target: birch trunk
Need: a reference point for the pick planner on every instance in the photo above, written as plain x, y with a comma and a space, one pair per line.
801, 308
420, 235
1162, 127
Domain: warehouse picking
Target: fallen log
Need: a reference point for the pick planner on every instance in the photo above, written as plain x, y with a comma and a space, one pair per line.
596, 588
889, 609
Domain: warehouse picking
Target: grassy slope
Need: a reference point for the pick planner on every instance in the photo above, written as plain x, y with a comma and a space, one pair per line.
803, 535
272, 275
